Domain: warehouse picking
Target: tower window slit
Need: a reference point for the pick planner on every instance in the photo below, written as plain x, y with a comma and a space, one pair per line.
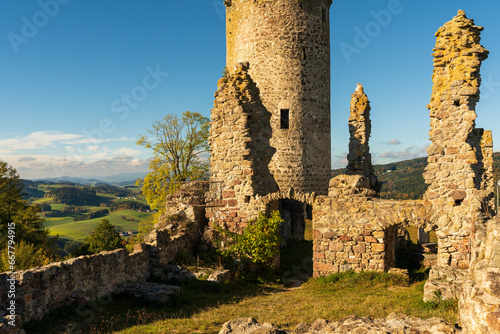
324, 15
285, 119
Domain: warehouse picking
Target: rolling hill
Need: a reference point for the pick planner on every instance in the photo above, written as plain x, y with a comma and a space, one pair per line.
404, 180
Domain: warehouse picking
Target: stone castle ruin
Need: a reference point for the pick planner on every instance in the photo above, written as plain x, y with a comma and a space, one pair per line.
270, 150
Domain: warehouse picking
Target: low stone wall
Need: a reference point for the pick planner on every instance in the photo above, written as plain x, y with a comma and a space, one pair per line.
82, 279
444, 282
359, 233
86, 278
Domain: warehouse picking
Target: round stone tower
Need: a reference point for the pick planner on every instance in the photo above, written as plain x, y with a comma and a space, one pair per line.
287, 44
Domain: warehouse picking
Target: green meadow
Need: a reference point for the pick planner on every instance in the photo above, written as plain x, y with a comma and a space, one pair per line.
67, 228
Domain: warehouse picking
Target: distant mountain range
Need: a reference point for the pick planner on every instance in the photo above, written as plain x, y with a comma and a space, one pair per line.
400, 180
123, 179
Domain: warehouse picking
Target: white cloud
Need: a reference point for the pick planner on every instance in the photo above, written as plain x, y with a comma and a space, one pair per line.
37, 140
50, 166
394, 142
86, 141
127, 151
409, 153
44, 139
53, 153
339, 161
123, 157
26, 159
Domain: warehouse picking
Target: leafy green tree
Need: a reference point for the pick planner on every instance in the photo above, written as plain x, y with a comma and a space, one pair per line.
31, 238
177, 144
27, 255
11, 194
105, 237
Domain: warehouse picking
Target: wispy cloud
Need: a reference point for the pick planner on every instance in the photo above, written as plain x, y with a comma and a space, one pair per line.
394, 142
43, 139
339, 161
409, 153
26, 159
37, 140
53, 153
51, 166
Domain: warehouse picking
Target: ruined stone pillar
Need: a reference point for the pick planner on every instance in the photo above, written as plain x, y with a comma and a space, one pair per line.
240, 151
359, 157
458, 164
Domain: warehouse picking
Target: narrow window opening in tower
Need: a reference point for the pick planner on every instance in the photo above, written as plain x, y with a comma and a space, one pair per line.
324, 14
304, 54
285, 119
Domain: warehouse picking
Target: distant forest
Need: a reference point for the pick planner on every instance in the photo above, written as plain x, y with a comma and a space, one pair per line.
74, 195
404, 180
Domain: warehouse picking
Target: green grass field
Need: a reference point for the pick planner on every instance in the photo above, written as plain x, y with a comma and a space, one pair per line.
203, 306
42, 200
67, 228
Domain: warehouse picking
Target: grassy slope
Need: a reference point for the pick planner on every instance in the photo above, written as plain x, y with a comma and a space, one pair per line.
67, 228
314, 300
204, 307
70, 229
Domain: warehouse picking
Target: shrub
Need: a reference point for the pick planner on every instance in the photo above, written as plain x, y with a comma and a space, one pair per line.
26, 256
105, 237
258, 246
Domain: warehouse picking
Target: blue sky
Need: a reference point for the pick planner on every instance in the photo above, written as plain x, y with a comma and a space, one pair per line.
81, 80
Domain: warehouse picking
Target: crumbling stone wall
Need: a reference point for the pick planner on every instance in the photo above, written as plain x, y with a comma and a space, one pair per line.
240, 151
86, 278
459, 172
40, 290
479, 304
353, 231
456, 167
287, 43
359, 157
486, 183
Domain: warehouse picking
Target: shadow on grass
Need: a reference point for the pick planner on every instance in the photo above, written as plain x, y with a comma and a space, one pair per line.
296, 262
118, 312
410, 258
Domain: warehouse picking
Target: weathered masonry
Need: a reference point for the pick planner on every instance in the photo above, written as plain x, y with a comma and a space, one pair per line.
353, 229
460, 168
287, 44
270, 145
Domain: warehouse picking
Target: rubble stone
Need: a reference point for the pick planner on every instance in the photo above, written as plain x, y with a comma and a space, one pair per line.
395, 323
